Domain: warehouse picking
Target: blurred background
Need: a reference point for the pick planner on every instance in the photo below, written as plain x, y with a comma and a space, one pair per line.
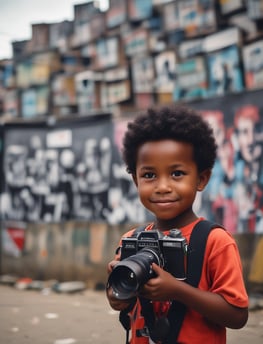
72, 74
26, 12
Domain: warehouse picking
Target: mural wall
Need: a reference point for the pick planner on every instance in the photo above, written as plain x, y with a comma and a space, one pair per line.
234, 195
74, 171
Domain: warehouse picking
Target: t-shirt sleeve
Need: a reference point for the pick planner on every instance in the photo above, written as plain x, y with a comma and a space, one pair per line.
223, 268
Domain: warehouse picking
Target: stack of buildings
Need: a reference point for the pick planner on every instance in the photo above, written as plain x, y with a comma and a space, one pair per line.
135, 54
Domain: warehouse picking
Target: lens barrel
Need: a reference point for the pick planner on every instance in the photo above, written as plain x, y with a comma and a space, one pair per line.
131, 273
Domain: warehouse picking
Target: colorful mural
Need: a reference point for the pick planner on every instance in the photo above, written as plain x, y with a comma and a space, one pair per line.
234, 195
74, 171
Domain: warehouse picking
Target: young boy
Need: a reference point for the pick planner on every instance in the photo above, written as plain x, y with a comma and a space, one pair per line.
170, 153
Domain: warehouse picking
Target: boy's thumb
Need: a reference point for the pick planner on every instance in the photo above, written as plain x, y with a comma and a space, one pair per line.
156, 268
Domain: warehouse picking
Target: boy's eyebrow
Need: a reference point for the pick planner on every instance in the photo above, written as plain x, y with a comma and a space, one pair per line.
149, 167
146, 167
179, 165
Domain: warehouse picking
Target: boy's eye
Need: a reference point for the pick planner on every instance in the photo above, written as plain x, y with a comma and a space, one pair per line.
149, 175
177, 173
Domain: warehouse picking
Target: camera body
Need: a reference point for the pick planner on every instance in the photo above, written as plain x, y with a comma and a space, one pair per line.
137, 255
171, 249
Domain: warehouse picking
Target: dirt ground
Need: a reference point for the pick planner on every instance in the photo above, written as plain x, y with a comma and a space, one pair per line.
46, 317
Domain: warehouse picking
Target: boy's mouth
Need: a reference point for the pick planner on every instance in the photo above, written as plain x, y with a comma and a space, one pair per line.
163, 201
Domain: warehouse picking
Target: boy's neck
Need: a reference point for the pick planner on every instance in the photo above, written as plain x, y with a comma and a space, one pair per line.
178, 222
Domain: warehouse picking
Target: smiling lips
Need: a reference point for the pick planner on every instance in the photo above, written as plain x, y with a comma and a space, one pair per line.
163, 201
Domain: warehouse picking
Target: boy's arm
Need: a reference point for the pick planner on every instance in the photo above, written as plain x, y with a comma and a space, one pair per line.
221, 297
211, 305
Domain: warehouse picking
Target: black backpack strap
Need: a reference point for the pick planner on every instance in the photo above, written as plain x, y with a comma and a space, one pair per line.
196, 250
195, 256
175, 316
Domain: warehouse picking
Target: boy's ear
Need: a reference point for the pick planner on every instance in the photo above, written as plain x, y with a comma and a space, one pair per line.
134, 179
204, 177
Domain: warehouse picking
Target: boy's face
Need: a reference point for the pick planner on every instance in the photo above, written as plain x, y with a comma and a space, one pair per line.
167, 180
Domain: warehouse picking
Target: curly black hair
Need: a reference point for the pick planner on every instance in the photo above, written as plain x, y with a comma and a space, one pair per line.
180, 123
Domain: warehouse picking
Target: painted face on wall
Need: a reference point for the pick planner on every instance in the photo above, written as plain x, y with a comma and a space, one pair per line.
246, 138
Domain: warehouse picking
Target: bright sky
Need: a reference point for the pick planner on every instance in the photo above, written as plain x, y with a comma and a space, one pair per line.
16, 17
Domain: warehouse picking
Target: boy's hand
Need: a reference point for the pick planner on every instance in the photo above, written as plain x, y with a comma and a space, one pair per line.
161, 287
111, 265
117, 304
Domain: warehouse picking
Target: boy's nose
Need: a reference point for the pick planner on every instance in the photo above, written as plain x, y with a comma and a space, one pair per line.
163, 185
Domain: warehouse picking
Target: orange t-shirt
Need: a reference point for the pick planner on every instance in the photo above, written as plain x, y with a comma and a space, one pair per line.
221, 274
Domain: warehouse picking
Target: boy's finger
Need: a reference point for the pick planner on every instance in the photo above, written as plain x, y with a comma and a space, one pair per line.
156, 268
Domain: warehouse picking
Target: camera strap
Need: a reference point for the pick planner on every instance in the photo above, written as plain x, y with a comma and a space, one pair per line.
124, 316
167, 329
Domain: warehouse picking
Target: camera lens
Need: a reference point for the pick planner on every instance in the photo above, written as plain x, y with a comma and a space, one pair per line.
124, 282
131, 273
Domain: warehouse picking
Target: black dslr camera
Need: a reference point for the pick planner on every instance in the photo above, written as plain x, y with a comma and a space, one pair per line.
137, 255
